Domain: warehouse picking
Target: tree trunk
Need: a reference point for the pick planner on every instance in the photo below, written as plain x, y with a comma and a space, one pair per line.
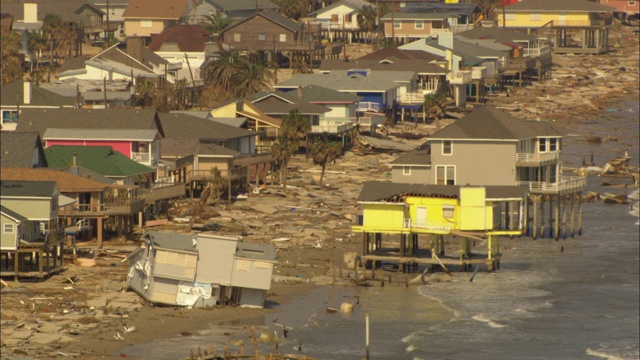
322, 174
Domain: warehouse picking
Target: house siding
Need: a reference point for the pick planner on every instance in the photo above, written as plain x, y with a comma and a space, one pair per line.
36, 209
9, 241
419, 175
122, 146
248, 273
386, 216
250, 30
407, 29
537, 19
477, 162
133, 27
215, 260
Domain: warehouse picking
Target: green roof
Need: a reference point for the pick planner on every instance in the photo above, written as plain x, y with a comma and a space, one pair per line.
101, 159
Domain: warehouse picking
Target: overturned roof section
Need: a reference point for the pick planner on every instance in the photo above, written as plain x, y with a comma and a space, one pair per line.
172, 240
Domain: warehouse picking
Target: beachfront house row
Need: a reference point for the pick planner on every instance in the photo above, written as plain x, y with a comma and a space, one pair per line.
410, 210
31, 235
489, 147
136, 133
577, 26
200, 270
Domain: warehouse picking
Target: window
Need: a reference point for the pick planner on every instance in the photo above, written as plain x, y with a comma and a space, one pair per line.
446, 175
283, 37
145, 23
242, 265
7, 229
553, 144
447, 147
348, 18
419, 24
542, 145
9, 116
406, 170
447, 211
262, 37
511, 17
334, 18
261, 265
535, 17
632, 3
236, 37
397, 24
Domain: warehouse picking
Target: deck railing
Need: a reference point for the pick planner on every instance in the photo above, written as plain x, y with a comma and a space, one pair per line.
566, 184
536, 159
141, 157
368, 106
460, 77
538, 51
331, 127
426, 225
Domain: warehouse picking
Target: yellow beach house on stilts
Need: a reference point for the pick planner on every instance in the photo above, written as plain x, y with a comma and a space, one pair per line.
420, 216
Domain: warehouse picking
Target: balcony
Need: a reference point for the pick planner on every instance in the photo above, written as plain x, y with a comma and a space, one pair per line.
537, 159
460, 78
538, 51
141, 157
162, 191
567, 184
112, 206
331, 127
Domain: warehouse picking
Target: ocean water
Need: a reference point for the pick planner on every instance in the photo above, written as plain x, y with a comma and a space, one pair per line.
575, 298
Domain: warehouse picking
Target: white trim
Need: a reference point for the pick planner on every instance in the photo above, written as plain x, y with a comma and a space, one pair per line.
412, 165
451, 148
445, 174
405, 172
12, 230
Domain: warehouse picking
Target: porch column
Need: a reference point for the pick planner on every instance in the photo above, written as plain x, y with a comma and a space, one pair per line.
99, 232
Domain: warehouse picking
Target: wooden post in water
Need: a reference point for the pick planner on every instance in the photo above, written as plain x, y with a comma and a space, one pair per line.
579, 214
367, 335
535, 218
542, 219
573, 198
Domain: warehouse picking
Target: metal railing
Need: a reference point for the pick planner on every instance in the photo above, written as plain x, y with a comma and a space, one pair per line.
331, 127
566, 184
368, 106
537, 158
143, 157
538, 51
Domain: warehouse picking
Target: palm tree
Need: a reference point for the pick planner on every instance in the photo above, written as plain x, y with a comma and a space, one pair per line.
10, 62
294, 129
367, 19
253, 75
37, 44
220, 71
217, 23
434, 107
324, 152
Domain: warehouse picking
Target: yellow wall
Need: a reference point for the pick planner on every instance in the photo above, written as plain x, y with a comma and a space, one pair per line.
384, 216
532, 19
434, 210
227, 111
473, 209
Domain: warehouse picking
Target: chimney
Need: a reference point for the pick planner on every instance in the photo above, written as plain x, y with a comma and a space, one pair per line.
299, 92
445, 39
26, 92
30, 12
134, 47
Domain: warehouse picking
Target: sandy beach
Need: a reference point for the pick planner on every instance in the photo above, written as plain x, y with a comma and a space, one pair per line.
83, 308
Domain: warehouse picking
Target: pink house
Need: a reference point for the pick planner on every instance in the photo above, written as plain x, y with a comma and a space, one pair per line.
136, 133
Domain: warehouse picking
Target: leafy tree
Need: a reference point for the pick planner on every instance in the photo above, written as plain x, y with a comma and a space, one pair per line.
487, 7
434, 107
10, 62
367, 19
60, 35
220, 71
293, 130
216, 23
324, 152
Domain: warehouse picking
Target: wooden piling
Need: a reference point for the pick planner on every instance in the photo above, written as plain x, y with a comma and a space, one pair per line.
564, 217
535, 219
579, 214
542, 219
556, 229
573, 198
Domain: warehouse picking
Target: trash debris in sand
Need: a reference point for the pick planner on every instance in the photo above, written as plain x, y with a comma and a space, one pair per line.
615, 199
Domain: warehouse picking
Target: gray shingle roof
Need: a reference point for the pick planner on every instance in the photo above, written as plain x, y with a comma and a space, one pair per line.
40, 120
101, 134
353, 4
486, 123
39, 96
16, 149
466, 49
266, 252
235, 5
388, 64
271, 15
420, 156
17, 188
555, 5
184, 126
376, 191
375, 81
172, 240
